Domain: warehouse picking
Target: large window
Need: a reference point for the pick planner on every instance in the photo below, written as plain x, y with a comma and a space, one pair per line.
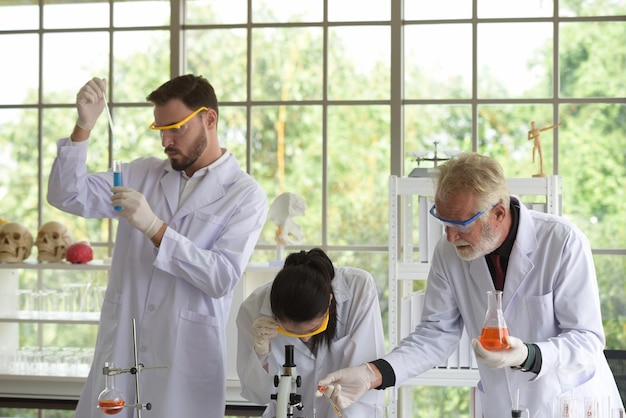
327, 98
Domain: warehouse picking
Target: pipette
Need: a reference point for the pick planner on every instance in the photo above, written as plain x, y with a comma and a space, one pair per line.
117, 165
116, 144
322, 389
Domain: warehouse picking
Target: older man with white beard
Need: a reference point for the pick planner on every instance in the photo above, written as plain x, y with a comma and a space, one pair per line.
550, 301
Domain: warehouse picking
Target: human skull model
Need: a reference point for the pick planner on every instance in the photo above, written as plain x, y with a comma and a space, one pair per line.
53, 239
16, 242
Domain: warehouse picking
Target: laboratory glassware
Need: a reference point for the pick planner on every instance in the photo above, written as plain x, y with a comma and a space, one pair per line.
110, 401
494, 327
117, 178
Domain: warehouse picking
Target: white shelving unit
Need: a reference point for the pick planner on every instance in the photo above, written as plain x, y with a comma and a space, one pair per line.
70, 387
410, 199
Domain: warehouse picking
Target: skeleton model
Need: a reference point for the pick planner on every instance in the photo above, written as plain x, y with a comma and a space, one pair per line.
533, 134
16, 242
282, 211
53, 239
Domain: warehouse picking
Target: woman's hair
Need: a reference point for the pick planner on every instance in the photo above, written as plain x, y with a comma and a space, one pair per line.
194, 91
301, 292
474, 173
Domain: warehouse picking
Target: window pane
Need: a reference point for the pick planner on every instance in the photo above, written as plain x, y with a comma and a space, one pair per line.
226, 69
611, 271
141, 13
287, 157
63, 80
217, 11
503, 135
585, 69
18, 170
441, 9
359, 63
593, 166
141, 63
59, 14
19, 83
446, 127
291, 72
232, 132
358, 10
16, 15
438, 61
592, 8
514, 60
358, 163
528, 8
286, 11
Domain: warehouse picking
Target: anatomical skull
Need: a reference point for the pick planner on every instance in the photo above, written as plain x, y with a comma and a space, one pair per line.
53, 239
16, 242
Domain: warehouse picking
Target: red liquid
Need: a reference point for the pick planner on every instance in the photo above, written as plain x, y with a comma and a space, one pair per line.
111, 407
493, 338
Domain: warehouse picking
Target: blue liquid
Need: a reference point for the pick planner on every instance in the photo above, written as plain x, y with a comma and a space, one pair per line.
117, 181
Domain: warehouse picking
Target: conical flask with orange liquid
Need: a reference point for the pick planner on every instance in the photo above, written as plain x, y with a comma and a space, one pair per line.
111, 400
494, 327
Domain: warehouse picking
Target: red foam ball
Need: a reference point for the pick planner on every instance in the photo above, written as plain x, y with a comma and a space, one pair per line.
79, 253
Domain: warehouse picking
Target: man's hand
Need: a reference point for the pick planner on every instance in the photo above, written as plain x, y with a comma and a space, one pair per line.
346, 386
90, 103
514, 356
263, 330
136, 210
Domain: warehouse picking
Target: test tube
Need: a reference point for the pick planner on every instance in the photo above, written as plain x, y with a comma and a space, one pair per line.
117, 177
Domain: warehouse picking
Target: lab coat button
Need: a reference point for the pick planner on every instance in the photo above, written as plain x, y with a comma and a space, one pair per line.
151, 308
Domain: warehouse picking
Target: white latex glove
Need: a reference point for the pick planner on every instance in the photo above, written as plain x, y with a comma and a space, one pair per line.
90, 102
136, 210
346, 386
514, 356
263, 330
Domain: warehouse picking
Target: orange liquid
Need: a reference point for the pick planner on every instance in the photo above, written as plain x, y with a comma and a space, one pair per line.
493, 338
111, 407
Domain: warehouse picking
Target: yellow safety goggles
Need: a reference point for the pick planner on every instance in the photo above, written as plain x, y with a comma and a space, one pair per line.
177, 128
319, 330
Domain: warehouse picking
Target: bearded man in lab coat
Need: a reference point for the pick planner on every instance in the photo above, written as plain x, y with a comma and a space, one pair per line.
187, 227
550, 301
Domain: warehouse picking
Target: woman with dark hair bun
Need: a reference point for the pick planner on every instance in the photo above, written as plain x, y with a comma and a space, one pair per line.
329, 314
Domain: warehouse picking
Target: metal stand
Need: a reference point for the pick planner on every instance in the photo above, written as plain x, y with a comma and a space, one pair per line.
135, 370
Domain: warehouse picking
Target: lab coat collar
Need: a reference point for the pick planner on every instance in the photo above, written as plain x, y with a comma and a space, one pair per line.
520, 264
211, 188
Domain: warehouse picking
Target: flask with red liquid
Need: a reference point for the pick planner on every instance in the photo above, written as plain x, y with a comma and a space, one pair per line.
494, 327
110, 401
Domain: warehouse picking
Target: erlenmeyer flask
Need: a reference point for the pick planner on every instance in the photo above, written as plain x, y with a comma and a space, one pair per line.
494, 327
110, 401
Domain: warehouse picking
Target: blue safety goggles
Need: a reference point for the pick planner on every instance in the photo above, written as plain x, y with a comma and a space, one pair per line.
461, 226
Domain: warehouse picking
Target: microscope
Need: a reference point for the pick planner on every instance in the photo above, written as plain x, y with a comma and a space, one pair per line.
287, 398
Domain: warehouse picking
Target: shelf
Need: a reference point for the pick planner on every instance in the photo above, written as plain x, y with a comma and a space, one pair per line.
38, 265
82, 318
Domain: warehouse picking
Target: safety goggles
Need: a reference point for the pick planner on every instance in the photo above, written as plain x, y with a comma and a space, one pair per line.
462, 226
178, 128
319, 330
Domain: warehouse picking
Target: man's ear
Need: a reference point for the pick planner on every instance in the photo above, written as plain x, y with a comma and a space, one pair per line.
211, 118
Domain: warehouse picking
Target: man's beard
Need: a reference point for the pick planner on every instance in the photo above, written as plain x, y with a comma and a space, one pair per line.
181, 162
487, 243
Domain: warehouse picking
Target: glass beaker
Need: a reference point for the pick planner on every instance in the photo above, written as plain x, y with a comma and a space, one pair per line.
110, 401
494, 327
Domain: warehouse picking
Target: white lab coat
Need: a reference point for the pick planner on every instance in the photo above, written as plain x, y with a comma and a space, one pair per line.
359, 339
550, 298
180, 293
